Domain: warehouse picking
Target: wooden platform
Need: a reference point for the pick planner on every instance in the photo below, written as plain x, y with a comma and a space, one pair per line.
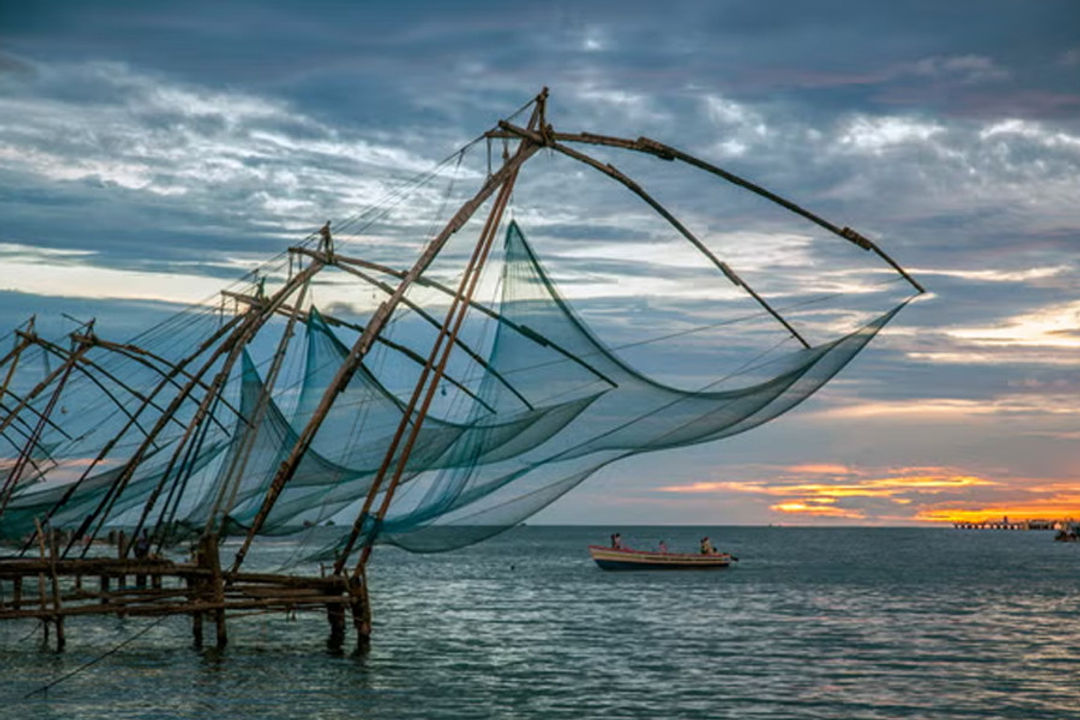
51, 589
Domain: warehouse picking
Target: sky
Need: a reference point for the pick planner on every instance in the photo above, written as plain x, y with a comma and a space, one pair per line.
151, 154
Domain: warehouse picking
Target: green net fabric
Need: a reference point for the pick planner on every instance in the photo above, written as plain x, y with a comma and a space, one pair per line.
547, 406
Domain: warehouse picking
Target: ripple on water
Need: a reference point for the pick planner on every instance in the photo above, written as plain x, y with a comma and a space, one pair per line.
812, 623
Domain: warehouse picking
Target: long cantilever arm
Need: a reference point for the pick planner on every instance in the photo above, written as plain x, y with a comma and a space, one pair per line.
612, 172
666, 152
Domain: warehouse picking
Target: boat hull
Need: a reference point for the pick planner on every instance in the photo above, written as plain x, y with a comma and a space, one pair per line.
611, 559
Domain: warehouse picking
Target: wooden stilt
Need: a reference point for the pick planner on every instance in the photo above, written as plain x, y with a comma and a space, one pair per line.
335, 615
58, 618
361, 610
217, 580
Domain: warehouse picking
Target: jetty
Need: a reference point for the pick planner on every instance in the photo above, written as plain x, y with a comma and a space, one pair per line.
1006, 524
51, 588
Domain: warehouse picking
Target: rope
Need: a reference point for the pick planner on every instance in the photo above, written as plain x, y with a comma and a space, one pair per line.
45, 688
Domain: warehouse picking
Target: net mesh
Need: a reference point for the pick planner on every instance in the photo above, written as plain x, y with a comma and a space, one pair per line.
532, 404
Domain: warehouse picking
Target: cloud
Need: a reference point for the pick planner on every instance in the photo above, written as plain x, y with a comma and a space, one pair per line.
875, 135
1053, 326
815, 509
956, 408
963, 68
839, 491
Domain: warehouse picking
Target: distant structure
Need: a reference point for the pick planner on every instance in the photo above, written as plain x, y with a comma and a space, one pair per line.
1005, 524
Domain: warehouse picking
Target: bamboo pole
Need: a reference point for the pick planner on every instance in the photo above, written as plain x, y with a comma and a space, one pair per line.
464, 293
364, 342
338, 322
614, 173
667, 152
239, 461
12, 480
455, 316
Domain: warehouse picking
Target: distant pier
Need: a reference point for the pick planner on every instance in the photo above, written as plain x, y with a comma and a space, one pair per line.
1006, 524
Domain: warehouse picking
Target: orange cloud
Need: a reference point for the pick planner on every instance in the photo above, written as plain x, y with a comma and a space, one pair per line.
1050, 509
871, 487
816, 510
915, 493
820, 469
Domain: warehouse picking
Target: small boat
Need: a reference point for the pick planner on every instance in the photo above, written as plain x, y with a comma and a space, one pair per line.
609, 558
1068, 532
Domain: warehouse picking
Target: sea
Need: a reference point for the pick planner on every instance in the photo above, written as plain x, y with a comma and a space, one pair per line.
809, 623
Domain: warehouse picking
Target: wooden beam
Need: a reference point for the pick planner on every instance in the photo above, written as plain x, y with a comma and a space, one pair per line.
523, 330
364, 342
612, 172
666, 152
331, 320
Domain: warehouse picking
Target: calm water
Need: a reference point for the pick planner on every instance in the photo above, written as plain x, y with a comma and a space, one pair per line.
812, 623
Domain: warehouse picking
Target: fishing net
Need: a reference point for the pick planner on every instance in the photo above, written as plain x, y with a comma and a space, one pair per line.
185, 430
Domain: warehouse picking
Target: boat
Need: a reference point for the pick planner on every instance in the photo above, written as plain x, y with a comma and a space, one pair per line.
1067, 532
609, 558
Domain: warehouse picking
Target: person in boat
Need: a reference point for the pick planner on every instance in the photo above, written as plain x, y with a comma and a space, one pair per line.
616, 542
707, 547
663, 547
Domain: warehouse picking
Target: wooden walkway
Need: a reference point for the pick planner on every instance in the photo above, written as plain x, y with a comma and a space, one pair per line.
51, 589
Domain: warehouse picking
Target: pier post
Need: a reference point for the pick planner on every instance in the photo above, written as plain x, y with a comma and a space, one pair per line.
335, 615
217, 587
361, 610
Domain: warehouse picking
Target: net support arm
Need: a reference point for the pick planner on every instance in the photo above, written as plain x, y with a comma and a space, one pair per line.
526, 332
338, 322
614, 173
141, 355
473, 354
666, 152
363, 344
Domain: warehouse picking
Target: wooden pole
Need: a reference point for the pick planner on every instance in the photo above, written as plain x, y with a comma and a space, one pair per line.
41, 580
364, 342
612, 172
666, 152
455, 316
58, 619
239, 461
217, 580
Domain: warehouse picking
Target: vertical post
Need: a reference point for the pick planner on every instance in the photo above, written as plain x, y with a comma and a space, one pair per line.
42, 603
195, 597
121, 550
361, 609
335, 615
210, 551
58, 618
16, 592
